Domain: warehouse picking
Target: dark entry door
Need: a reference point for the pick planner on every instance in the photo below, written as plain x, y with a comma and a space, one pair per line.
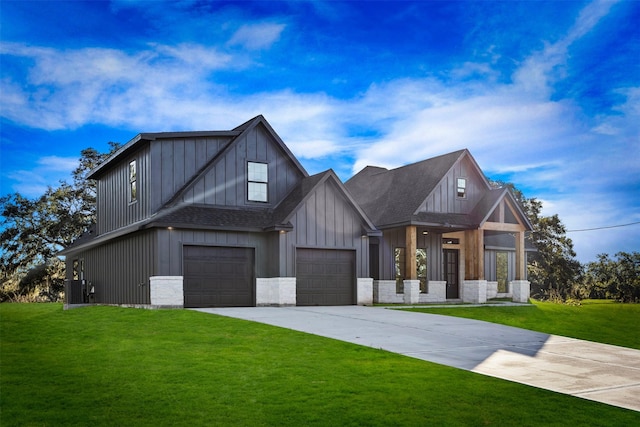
451, 269
218, 276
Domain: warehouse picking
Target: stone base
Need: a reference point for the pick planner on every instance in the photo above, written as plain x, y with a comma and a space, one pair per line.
276, 291
364, 292
474, 291
520, 290
384, 292
166, 291
411, 291
437, 292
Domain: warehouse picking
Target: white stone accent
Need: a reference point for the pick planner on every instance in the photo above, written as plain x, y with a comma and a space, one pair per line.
474, 291
492, 290
520, 290
384, 292
364, 295
411, 291
437, 292
166, 291
276, 291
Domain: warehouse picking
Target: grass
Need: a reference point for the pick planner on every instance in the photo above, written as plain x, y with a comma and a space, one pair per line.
115, 366
595, 320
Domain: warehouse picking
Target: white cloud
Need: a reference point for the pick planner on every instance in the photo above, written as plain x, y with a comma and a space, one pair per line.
256, 36
48, 172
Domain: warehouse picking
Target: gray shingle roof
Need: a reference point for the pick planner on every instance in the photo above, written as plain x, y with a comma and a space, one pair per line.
392, 196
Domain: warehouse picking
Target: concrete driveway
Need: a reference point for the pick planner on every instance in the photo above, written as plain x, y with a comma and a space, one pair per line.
594, 371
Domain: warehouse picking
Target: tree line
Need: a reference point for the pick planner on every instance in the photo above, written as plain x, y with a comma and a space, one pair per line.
34, 230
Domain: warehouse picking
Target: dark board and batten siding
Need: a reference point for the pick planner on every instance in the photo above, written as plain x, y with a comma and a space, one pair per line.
396, 238
171, 257
176, 161
115, 210
325, 221
225, 183
443, 198
120, 269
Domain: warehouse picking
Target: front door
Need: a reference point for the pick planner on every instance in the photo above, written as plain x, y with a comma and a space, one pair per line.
451, 272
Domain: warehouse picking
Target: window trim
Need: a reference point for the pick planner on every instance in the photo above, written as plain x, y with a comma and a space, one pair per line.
133, 181
257, 180
461, 190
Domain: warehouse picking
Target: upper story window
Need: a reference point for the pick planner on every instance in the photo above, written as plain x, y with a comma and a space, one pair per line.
257, 182
461, 187
133, 177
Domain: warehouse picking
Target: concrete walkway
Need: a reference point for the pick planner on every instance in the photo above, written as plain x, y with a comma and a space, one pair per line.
594, 371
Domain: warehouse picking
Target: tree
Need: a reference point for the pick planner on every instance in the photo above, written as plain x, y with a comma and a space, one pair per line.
35, 230
553, 271
614, 278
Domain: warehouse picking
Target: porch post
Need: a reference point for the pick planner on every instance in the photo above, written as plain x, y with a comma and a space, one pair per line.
411, 267
474, 254
521, 263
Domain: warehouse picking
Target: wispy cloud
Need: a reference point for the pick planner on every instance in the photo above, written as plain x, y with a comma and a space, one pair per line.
48, 172
256, 36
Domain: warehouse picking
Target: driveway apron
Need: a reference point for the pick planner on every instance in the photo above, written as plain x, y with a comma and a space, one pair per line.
600, 372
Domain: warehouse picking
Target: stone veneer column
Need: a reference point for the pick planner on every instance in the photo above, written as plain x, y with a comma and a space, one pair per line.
474, 291
520, 290
166, 291
364, 291
276, 291
411, 291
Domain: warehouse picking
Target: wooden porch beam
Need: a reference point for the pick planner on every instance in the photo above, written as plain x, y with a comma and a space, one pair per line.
502, 226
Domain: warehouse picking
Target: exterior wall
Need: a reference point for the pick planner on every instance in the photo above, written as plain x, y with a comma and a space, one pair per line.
170, 243
225, 183
120, 269
443, 198
325, 221
175, 161
114, 209
395, 238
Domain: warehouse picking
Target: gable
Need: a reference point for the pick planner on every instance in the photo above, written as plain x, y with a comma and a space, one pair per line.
224, 180
327, 217
444, 197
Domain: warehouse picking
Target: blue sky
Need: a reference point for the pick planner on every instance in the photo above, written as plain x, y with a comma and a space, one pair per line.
544, 94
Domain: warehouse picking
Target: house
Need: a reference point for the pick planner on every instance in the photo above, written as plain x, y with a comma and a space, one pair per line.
223, 218
436, 217
231, 218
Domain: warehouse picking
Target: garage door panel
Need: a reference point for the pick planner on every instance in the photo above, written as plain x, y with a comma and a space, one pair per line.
218, 276
325, 277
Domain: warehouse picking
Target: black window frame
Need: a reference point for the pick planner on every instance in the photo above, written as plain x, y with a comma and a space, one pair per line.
261, 182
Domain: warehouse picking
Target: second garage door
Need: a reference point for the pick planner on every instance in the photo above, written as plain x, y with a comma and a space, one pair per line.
325, 277
218, 276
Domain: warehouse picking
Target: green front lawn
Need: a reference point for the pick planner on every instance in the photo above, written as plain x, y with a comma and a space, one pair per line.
130, 367
595, 320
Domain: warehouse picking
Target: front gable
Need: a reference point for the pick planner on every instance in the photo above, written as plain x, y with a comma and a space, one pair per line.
224, 181
459, 190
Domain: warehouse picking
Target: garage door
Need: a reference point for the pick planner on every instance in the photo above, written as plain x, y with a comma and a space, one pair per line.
218, 277
325, 277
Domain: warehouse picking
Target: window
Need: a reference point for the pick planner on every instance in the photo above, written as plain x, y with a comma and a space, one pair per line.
502, 271
76, 269
400, 268
257, 182
133, 188
421, 261
461, 188
398, 256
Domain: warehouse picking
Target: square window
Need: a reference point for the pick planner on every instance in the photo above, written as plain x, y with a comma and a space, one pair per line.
257, 192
